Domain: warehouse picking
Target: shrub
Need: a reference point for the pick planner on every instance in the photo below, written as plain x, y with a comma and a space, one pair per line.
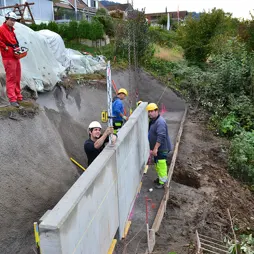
52, 26
96, 31
162, 37
83, 29
241, 159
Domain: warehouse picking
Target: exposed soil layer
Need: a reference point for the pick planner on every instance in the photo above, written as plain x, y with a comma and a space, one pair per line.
202, 191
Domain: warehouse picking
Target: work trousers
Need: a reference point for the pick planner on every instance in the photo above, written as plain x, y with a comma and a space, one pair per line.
161, 167
13, 76
117, 125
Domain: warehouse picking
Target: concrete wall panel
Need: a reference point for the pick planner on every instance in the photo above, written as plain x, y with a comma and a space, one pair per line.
132, 154
88, 217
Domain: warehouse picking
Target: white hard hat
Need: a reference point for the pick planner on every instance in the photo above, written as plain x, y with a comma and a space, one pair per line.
94, 124
11, 15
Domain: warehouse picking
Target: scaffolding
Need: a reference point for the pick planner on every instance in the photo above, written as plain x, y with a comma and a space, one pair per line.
23, 11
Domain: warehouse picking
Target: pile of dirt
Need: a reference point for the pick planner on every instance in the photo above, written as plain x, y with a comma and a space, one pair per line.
202, 191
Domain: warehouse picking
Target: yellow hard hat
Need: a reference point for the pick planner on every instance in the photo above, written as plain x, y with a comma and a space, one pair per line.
139, 102
151, 106
123, 90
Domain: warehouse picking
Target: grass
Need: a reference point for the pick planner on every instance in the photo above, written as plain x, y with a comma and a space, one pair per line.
107, 51
28, 106
81, 47
92, 76
92, 50
168, 54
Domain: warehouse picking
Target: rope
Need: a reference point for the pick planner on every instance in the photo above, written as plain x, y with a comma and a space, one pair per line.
161, 95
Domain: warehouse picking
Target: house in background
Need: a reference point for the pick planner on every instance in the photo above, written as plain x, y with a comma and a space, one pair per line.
57, 10
65, 10
119, 7
116, 7
153, 18
42, 10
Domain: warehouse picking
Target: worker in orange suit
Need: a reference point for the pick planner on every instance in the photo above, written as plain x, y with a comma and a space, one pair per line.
9, 45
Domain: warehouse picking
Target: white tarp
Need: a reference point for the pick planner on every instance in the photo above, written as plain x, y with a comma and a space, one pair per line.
72, 59
48, 59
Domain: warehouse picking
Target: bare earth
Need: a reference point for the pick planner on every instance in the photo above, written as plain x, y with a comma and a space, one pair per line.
202, 191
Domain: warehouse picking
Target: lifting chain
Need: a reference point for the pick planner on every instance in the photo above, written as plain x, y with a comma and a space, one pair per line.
129, 58
135, 59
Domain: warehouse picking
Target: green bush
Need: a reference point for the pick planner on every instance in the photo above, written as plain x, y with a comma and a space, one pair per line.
83, 29
159, 67
196, 35
72, 30
53, 26
241, 159
162, 37
106, 20
243, 109
42, 26
96, 31
224, 85
63, 30
229, 126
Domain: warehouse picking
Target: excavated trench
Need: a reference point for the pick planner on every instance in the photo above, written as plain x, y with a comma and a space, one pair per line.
35, 167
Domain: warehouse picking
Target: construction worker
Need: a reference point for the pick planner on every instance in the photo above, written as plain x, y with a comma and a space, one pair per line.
9, 45
160, 144
96, 142
118, 109
139, 102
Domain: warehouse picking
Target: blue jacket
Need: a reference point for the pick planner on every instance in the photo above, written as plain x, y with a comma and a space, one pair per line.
158, 132
117, 109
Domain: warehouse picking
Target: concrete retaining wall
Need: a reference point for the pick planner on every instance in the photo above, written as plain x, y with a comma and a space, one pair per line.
88, 217
132, 154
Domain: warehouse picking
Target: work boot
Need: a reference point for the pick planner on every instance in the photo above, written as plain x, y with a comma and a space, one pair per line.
159, 186
14, 104
156, 180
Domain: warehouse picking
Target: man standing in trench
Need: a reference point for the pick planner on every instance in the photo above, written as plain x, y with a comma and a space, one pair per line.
8, 45
160, 144
118, 109
96, 142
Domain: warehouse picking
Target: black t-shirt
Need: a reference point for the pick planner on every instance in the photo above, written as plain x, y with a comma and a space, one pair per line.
91, 151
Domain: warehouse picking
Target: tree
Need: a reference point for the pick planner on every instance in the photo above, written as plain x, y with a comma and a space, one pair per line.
72, 30
163, 20
52, 26
96, 31
196, 35
246, 33
83, 29
106, 20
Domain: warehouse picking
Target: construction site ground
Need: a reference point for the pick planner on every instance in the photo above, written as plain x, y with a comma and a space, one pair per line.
200, 193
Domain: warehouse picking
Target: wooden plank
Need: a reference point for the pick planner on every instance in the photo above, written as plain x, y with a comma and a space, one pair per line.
210, 238
212, 247
178, 139
127, 227
16, 5
216, 244
112, 246
198, 242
